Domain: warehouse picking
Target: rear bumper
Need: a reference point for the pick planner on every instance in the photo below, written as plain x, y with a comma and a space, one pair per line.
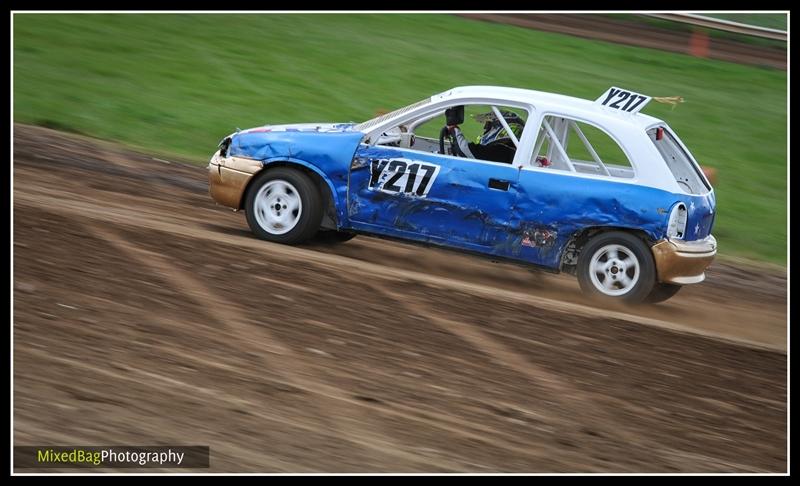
228, 177
683, 262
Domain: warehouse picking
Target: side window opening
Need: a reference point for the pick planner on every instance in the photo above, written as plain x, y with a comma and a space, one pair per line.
487, 135
680, 164
575, 146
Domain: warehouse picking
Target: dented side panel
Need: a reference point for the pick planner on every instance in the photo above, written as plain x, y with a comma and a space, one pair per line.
532, 221
327, 152
432, 198
553, 207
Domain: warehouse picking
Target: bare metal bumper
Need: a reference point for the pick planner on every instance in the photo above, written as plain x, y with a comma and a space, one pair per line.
228, 177
683, 262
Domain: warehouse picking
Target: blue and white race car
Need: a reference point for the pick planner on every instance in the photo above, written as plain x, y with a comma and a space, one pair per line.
593, 188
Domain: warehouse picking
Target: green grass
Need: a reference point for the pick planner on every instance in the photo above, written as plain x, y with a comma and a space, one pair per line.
176, 84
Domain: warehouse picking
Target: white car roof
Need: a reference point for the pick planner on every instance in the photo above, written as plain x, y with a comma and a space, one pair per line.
548, 101
627, 128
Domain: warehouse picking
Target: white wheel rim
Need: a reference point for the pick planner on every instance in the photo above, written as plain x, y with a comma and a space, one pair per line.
614, 270
277, 207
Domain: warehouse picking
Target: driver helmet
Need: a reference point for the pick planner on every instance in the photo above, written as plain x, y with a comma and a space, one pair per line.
494, 130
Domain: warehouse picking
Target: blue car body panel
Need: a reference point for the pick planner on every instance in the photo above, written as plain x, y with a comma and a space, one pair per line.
327, 153
459, 210
558, 206
528, 215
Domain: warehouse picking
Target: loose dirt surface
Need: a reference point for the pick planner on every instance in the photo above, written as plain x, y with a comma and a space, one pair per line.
144, 314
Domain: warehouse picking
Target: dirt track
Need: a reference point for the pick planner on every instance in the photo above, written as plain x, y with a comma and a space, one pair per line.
145, 314
609, 29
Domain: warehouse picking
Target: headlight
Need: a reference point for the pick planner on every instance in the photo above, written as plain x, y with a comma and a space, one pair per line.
223, 146
676, 227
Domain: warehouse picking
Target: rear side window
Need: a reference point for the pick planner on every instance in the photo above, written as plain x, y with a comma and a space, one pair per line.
571, 145
685, 172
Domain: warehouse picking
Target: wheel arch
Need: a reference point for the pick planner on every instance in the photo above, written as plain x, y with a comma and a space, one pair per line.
331, 210
579, 238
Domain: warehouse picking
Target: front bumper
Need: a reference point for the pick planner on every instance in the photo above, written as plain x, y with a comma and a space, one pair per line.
228, 177
683, 262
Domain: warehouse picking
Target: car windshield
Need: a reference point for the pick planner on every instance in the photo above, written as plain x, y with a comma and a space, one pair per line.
367, 125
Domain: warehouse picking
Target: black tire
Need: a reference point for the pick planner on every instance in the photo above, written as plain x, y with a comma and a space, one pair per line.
662, 292
619, 269
308, 217
333, 237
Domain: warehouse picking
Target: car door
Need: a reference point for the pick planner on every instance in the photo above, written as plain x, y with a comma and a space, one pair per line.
436, 198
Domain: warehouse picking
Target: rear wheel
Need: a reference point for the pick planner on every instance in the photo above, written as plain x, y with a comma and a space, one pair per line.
283, 205
662, 292
616, 266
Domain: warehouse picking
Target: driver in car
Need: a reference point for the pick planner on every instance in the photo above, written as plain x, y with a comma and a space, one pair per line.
494, 144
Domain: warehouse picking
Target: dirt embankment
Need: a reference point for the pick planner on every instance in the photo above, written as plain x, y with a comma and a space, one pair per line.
609, 29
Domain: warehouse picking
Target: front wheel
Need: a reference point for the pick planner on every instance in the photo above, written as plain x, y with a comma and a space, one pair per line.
617, 266
283, 205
